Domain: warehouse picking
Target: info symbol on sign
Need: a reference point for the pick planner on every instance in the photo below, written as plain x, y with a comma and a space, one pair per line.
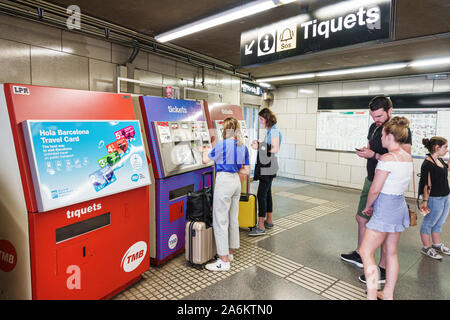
266, 43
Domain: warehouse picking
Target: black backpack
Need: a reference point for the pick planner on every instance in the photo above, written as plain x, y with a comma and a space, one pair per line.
199, 203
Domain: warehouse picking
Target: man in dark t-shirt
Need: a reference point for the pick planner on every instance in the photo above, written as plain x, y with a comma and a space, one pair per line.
381, 112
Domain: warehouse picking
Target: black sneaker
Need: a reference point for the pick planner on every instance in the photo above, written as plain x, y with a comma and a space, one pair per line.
381, 280
354, 258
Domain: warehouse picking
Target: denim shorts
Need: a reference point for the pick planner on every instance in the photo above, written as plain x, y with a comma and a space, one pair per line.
390, 214
435, 219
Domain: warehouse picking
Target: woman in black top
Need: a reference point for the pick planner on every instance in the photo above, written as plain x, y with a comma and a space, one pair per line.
435, 189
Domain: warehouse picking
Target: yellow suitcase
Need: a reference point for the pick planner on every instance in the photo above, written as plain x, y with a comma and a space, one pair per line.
247, 211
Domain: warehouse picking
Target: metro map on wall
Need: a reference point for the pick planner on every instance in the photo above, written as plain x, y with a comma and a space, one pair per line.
345, 130
342, 130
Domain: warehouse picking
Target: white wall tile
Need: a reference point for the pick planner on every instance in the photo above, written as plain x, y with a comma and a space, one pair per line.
338, 172
304, 152
286, 121
351, 159
327, 156
279, 106
295, 166
298, 105
306, 121
330, 89
312, 105
287, 150
358, 174
316, 169
415, 84
286, 93
355, 88
305, 91
385, 86
295, 136
311, 137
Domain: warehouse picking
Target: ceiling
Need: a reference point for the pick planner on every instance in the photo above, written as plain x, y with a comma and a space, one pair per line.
422, 30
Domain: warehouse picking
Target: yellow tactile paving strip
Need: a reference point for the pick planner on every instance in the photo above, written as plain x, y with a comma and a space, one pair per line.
176, 279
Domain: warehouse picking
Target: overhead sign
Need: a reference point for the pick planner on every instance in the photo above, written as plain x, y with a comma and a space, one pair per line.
307, 33
251, 88
76, 161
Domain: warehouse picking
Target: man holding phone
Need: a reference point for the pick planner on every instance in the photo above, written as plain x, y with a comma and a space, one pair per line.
381, 112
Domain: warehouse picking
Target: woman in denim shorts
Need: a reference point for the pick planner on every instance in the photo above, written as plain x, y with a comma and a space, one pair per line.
435, 189
386, 203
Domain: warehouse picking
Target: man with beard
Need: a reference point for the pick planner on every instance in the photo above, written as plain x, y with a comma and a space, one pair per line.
381, 112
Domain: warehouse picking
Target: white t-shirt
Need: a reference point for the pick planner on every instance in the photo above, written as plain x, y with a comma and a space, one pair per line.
399, 177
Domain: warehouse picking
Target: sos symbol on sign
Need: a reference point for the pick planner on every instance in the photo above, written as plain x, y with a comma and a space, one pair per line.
266, 43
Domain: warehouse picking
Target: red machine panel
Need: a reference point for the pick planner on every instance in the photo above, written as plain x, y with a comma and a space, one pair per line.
88, 250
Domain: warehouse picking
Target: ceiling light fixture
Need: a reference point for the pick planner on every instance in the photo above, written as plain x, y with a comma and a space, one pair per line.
221, 18
429, 62
344, 7
290, 77
383, 67
391, 66
264, 84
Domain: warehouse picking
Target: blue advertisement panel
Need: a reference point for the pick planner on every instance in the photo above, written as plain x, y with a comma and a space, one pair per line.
76, 161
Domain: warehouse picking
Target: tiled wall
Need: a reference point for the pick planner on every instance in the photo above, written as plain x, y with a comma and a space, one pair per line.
296, 107
33, 53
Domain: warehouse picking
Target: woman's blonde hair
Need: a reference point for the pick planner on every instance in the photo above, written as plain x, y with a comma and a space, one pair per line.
232, 129
398, 127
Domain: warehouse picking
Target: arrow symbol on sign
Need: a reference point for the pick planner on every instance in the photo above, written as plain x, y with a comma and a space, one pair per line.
248, 48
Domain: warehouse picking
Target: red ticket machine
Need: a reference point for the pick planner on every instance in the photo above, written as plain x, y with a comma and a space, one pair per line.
73, 215
215, 114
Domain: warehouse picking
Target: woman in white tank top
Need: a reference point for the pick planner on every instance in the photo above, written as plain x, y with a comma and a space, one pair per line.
386, 203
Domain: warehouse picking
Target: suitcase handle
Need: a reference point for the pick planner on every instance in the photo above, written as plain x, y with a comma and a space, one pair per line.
204, 174
245, 196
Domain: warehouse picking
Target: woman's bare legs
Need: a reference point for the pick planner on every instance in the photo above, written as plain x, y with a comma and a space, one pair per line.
370, 243
390, 247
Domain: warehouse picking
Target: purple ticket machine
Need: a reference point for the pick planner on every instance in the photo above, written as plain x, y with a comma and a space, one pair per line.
175, 130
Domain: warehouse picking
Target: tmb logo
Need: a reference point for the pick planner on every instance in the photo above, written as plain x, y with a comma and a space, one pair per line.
8, 256
134, 256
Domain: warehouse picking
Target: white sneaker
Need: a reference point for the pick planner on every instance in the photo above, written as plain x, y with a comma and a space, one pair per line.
218, 265
431, 253
441, 248
231, 257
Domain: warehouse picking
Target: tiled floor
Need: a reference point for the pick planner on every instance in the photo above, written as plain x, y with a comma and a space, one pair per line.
299, 258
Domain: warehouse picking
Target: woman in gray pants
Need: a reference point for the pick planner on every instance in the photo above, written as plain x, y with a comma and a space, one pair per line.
230, 157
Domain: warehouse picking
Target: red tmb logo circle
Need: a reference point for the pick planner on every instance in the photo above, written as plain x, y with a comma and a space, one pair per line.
8, 256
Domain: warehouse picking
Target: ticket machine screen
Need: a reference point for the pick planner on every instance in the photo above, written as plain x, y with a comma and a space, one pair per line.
179, 143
